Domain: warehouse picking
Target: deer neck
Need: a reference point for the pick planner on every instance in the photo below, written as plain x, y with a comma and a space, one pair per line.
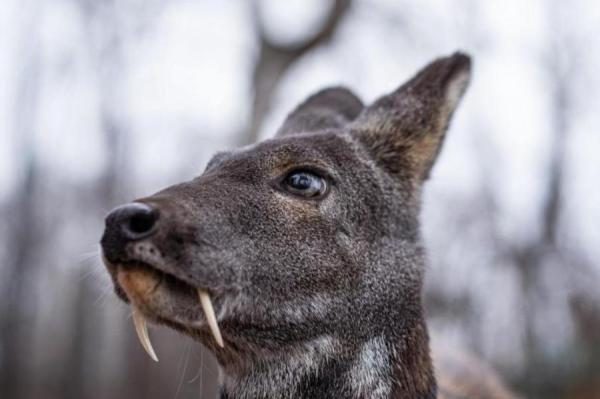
394, 365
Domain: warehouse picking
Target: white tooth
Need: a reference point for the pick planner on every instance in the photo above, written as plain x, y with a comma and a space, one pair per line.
209, 312
142, 332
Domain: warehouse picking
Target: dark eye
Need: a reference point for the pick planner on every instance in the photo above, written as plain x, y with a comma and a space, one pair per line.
304, 184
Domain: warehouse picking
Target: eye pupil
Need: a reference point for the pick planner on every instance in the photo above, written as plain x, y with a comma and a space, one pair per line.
300, 181
305, 184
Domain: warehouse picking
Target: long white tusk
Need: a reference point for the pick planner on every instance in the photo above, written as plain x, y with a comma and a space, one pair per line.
209, 312
141, 328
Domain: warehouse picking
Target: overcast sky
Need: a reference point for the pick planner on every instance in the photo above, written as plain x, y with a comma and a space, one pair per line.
188, 76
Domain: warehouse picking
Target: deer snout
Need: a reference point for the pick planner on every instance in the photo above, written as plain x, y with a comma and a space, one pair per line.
128, 223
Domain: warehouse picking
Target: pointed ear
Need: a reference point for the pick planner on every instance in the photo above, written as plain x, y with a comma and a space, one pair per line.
404, 130
329, 108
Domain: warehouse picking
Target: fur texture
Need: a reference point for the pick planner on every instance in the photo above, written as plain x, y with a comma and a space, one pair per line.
315, 297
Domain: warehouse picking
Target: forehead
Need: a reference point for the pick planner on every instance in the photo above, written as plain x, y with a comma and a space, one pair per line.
327, 150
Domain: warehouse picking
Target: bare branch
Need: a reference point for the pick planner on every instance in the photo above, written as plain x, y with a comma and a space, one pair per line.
275, 59
322, 35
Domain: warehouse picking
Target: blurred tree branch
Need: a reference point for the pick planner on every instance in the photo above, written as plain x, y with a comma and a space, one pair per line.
545, 252
108, 26
25, 239
275, 59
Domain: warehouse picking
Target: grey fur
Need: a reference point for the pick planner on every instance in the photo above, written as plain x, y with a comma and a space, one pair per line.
315, 297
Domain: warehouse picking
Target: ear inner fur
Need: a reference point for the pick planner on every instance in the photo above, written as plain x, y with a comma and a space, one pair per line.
405, 129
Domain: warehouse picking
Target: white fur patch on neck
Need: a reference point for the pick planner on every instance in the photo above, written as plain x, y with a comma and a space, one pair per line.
370, 375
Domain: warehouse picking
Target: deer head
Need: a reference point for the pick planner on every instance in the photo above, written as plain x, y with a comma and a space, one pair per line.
298, 260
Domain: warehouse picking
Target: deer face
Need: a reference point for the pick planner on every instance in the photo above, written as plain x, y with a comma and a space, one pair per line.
311, 233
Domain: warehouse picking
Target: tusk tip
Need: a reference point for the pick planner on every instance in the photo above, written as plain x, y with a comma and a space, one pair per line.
209, 313
141, 328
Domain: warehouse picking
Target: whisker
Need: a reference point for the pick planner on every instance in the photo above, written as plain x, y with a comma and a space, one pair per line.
103, 296
185, 364
87, 273
89, 255
201, 367
198, 375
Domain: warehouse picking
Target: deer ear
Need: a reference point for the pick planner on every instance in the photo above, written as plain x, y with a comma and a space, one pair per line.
404, 130
329, 108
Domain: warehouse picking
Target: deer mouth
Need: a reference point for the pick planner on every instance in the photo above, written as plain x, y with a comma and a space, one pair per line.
162, 297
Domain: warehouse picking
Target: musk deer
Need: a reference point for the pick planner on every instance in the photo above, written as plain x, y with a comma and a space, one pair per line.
298, 260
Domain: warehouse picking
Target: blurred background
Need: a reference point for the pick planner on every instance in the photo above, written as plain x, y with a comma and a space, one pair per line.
102, 101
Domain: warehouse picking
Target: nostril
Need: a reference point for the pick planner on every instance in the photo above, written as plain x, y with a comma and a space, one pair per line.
128, 223
137, 220
141, 223
131, 222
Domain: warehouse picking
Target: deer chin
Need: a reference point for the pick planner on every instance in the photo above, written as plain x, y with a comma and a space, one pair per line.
161, 297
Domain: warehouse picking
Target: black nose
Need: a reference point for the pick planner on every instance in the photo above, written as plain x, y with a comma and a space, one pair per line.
133, 221
127, 223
